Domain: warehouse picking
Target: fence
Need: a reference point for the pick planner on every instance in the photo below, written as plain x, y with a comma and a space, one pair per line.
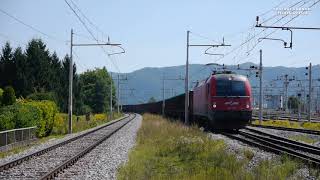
13, 136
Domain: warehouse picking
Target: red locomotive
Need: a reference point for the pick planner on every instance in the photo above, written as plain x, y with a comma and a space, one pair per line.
223, 101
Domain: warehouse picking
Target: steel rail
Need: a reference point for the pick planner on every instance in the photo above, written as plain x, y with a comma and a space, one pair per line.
54, 173
18, 161
285, 141
275, 148
306, 131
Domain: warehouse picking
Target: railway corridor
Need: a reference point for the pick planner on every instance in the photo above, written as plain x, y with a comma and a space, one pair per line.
96, 154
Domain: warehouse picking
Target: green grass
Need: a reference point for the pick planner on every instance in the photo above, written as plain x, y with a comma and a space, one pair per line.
290, 124
170, 150
303, 138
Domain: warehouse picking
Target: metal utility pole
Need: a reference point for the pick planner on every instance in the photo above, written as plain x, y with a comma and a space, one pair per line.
118, 93
286, 83
70, 86
163, 97
260, 89
310, 92
186, 104
71, 74
111, 96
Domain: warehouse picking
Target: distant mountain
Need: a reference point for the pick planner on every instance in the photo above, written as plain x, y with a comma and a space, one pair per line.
147, 82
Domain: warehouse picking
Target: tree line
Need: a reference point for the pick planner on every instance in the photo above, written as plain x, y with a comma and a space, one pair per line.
36, 73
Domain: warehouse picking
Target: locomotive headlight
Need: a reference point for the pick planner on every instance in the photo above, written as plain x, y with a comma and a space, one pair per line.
247, 106
214, 105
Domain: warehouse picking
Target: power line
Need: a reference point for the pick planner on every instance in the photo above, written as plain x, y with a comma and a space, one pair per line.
29, 26
92, 35
282, 25
92, 24
255, 36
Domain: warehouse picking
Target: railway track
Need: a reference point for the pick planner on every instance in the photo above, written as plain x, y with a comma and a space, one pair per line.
290, 118
49, 162
279, 145
306, 131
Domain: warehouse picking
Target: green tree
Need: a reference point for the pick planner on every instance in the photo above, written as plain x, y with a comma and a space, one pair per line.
7, 66
38, 58
95, 89
9, 96
63, 90
21, 72
1, 94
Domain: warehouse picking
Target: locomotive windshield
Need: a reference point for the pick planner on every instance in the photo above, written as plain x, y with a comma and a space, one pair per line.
230, 88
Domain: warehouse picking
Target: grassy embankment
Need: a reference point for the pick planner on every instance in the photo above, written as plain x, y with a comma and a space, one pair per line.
290, 124
169, 150
60, 129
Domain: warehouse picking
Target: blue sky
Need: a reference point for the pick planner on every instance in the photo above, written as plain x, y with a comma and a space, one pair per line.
154, 32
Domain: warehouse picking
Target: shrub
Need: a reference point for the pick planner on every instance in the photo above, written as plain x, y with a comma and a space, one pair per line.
8, 97
25, 114
48, 111
18, 116
60, 124
1, 93
7, 120
100, 117
39, 96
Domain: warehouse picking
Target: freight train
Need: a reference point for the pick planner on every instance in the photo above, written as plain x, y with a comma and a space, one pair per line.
222, 101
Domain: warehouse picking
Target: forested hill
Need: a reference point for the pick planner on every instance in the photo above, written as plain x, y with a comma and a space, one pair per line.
147, 82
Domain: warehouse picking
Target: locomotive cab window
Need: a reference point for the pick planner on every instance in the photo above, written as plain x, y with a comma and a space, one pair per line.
230, 88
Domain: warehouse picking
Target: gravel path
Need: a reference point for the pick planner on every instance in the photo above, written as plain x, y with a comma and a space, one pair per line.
46, 145
103, 161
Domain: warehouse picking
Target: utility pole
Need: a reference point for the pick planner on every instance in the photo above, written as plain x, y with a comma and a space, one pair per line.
118, 93
186, 103
310, 92
286, 83
70, 86
71, 74
260, 89
163, 97
111, 96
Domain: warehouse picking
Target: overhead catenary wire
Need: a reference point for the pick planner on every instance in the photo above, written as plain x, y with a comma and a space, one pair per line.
275, 30
250, 38
92, 35
256, 35
30, 26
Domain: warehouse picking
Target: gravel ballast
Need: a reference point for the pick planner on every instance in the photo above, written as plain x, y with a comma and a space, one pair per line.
236, 147
104, 161
290, 134
47, 144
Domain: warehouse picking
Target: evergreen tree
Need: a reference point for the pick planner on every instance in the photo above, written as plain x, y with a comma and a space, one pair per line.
21, 73
7, 66
8, 96
38, 60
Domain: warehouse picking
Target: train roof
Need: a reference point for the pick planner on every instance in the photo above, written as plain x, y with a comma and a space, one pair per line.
236, 77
